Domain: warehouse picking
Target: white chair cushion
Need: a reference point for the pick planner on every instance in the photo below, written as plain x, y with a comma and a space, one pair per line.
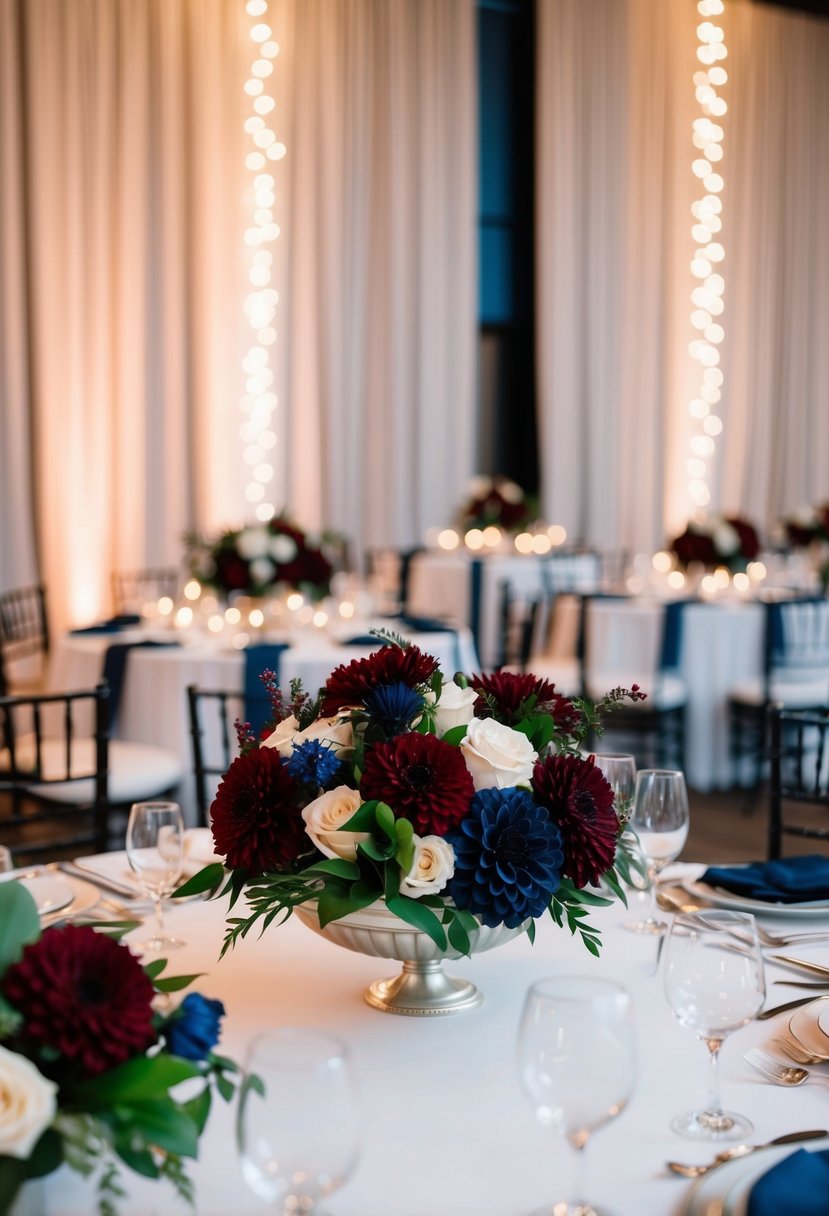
800, 693
563, 672
136, 770
666, 692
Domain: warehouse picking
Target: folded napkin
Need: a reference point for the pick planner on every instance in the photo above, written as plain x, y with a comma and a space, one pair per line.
115, 624
799, 1183
363, 639
788, 881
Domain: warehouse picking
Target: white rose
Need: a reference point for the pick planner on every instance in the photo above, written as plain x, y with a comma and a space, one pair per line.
456, 707
252, 543
336, 732
479, 487
726, 540
805, 516
28, 1104
433, 866
510, 492
324, 816
262, 570
283, 548
496, 755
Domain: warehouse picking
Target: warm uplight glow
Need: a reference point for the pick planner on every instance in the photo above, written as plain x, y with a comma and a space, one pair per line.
676, 579
756, 571
233, 616
184, 618
192, 589
741, 582
706, 296
256, 618
492, 536
557, 534
524, 542
662, 562
294, 601
216, 623
259, 401
346, 610
165, 606
474, 539
448, 539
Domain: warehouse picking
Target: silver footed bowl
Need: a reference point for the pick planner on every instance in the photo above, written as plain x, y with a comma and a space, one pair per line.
422, 989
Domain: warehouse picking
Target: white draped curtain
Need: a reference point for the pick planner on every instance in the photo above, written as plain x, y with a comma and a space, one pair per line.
614, 152
123, 204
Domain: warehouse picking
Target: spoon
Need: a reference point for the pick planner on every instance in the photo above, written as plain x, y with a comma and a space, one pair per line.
740, 1150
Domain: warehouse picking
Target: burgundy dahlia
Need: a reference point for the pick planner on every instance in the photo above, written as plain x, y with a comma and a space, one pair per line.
749, 540
510, 691
580, 802
84, 996
350, 683
256, 820
422, 779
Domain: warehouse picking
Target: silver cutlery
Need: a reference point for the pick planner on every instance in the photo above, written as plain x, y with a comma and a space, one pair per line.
778, 1073
741, 1150
104, 882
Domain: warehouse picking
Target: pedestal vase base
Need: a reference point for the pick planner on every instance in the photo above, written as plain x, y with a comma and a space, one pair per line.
423, 989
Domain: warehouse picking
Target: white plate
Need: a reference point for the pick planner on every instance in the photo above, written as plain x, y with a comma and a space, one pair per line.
82, 895
823, 1023
803, 1024
760, 907
726, 1190
49, 894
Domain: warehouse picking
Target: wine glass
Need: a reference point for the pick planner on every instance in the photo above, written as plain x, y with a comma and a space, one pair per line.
714, 984
577, 1063
155, 851
660, 820
619, 770
296, 1120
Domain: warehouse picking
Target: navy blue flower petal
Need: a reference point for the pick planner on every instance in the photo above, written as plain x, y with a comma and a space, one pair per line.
508, 858
313, 763
193, 1031
394, 706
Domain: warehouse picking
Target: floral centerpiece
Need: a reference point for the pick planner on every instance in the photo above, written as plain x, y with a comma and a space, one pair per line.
456, 803
808, 528
718, 540
496, 502
261, 558
89, 1065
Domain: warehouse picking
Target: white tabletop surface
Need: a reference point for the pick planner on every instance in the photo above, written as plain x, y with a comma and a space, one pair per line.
446, 1130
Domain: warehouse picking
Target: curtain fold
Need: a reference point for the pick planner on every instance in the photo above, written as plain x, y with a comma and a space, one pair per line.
615, 107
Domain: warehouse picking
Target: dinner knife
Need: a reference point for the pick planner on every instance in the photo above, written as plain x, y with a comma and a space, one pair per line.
801, 962
769, 1013
100, 880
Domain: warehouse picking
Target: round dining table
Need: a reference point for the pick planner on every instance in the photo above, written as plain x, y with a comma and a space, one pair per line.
444, 1126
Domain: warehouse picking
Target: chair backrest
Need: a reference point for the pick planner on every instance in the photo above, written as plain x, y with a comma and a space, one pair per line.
797, 640
132, 589
213, 714
799, 775
24, 636
53, 772
630, 639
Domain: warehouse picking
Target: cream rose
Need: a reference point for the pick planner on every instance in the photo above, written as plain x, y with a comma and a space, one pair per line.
324, 817
456, 707
28, 1104
252, 543
433, 866
336, 732
496, 755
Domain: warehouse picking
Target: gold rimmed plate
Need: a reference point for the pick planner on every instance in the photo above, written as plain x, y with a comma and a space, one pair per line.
720, 898
804, 1025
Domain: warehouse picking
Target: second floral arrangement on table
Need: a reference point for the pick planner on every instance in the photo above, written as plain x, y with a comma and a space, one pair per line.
458, 803
718, 540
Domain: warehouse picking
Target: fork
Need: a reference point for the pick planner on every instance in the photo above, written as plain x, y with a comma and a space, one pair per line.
773, 1070
789, 939
797, 1053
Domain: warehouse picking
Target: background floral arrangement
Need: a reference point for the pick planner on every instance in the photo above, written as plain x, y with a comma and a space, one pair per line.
807, 525
87, 1064
258, 558
496, 502
719, 540
454, 802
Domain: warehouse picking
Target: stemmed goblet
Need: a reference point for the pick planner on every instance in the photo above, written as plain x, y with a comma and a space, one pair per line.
155, 851
296, 1120
577, 1063
660, 821
713, 974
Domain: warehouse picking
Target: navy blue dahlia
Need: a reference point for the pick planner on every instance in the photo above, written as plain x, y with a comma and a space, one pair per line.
394, 706
194, 1029
508, 858
313, 763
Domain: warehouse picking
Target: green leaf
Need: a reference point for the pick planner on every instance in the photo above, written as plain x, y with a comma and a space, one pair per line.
164, 1124
19, 922
385, 820
377, 851
363, 819
175, 983
337, 866
531, 932
12, 1176
198, 1108
362, 893
334, 902
46, 1155
414, 913
153, 969
137, 1158
138, 1080
455, 735
610, 879
225, 1087
458, 936
405, 852
206, 880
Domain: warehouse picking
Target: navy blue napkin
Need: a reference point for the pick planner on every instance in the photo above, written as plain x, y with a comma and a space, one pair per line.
788, 881
127, 620
115, 668
363, 639
262, 656
799, 1183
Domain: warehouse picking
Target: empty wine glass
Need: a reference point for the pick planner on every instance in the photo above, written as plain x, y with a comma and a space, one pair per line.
296, 1121
660, 820
577, 1063
619, 769
714, 984
155, 851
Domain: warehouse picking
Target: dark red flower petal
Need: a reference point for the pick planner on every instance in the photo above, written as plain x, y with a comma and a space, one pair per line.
510, 691
422, 779
255, 816
350, 683
83, 995
580, 802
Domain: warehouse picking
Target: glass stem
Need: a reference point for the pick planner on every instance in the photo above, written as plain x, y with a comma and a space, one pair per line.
159, 917
578, 1203
652, 873
714, 1108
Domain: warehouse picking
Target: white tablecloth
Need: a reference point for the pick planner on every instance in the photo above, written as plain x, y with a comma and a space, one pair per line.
446, 1130
153, 704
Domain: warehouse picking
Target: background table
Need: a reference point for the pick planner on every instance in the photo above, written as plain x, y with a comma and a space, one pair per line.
445, 1126
153, 703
